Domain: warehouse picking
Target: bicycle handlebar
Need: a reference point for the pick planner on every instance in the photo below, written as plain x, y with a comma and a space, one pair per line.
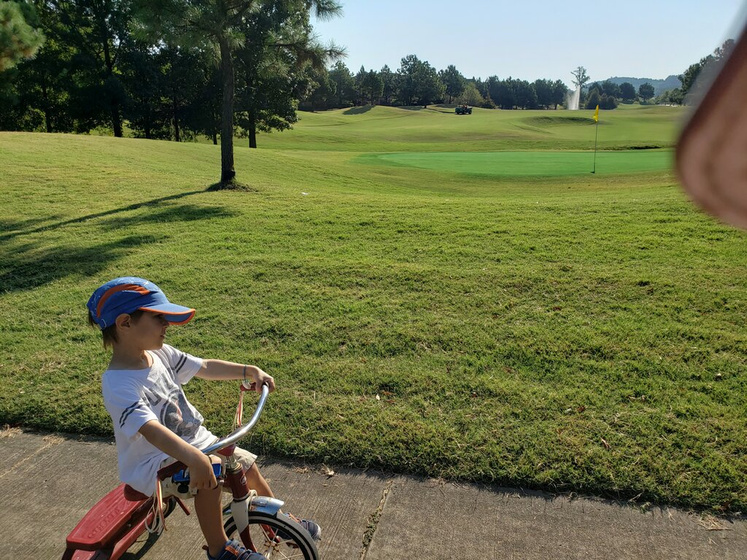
230, 439
241, 431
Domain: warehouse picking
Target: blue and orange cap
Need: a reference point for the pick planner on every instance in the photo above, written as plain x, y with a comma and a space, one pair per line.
128, 294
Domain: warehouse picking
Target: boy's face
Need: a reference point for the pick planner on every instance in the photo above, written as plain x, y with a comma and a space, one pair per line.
148, 331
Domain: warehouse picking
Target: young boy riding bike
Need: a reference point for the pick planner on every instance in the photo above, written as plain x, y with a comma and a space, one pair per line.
154, 423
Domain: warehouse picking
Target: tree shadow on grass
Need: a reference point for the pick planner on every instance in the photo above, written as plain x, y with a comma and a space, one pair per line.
31, 269
14, 225
358, 110
182, 213
88, 217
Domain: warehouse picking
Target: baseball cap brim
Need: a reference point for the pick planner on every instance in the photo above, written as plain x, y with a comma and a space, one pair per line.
174, 314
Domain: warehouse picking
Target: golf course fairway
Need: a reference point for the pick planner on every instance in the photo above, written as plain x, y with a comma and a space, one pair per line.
530, 163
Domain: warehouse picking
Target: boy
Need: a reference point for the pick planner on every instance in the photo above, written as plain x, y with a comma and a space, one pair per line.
153, 420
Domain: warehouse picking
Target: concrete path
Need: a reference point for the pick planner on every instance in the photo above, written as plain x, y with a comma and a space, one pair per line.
48, 482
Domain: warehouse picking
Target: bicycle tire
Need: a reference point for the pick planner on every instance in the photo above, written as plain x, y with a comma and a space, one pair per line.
300, 545
170, 506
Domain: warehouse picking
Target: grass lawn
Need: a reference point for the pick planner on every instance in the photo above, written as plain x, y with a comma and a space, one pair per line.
517, 164
571, 332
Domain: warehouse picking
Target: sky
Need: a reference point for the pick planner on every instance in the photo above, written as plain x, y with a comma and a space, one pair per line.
535, 39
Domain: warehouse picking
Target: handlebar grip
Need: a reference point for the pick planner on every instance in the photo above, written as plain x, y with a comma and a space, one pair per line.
170, 470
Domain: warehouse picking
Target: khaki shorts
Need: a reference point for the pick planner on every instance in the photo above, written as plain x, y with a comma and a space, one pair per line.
169, 488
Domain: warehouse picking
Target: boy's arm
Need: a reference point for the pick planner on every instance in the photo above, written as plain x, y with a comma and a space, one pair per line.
200, 468
221, 370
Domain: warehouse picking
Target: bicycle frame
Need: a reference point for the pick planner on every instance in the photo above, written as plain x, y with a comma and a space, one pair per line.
118, 519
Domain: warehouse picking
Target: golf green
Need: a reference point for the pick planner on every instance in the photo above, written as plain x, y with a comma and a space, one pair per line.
531, 163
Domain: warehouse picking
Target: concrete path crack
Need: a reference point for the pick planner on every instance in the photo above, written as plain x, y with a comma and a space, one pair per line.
373, 520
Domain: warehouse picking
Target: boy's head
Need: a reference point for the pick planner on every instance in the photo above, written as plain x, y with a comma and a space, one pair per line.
131, 296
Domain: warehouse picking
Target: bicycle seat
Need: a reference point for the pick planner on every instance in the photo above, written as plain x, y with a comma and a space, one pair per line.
104, 520
133, 495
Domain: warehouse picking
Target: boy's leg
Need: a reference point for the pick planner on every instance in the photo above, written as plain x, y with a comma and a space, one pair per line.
257, 482
208, 509
254, 478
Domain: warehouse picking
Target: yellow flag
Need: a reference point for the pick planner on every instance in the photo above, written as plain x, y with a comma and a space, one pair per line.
596, 114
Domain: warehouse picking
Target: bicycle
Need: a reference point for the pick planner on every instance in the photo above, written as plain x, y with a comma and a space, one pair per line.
111, 527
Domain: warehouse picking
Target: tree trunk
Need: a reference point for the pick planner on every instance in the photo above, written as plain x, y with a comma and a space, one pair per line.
146, 124
116, 120
252, 130
47, 112
114, 105
177, 136
227, 172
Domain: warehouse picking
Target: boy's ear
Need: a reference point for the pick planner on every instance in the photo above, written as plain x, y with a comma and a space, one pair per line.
123, 321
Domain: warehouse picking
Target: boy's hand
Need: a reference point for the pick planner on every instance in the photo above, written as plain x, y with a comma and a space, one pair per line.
261, 378
220, 370
201, 476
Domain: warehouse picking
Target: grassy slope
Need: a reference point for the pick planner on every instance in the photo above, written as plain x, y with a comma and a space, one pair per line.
390, 129
573, 333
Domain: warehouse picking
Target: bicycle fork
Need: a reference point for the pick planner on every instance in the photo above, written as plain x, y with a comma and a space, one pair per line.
246, 499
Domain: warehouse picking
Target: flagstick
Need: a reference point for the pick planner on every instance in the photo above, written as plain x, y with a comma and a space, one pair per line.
596, 135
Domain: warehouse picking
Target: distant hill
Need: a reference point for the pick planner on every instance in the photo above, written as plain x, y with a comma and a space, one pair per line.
660, 86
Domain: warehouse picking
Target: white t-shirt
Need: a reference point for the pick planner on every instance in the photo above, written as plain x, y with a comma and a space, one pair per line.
136, 396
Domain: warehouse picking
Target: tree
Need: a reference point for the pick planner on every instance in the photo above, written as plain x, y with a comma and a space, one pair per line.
358, 80
143, 78
671, 97
44, 88
593, 99
344, 84
184, 82
627, 92
418, 82
372, 86
646, 91
607, 102
544, 91
470, 96
526, 96
580, 77
388, 84
202, 115
502, 92
98, 32
218, 26
492, 90
559, 92
19, 38
453, 82
610, 89
323, 94
698, 76
275, 64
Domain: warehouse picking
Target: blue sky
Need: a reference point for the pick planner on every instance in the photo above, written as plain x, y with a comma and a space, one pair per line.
535, 39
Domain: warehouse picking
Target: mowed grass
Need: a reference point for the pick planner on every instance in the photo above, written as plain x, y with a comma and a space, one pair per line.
576, 333
439, 129
518, 164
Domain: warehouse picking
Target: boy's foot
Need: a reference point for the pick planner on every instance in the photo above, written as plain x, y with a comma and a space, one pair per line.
312, 528
234, 550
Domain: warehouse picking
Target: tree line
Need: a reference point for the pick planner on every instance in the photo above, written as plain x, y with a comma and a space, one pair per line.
416, 82
694, 81
178, 69
168, 69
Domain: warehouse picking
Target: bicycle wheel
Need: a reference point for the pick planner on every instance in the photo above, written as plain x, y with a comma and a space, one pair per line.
263, 529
